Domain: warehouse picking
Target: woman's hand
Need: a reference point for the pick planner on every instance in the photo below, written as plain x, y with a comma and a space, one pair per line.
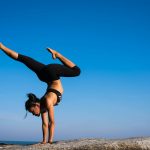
43, 142
50, 142
44, 127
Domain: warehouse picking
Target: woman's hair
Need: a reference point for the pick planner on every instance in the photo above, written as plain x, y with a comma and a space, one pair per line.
32, 99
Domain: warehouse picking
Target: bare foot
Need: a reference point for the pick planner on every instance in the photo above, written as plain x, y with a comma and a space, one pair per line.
53, 52
1, 45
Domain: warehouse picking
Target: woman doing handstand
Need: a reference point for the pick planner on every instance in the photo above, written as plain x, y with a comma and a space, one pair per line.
50, 74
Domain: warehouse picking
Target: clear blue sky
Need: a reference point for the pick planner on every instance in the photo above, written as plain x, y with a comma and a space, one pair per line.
108, 39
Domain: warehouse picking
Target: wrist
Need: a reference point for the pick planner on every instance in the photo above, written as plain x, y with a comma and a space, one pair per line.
50, 142
44, 140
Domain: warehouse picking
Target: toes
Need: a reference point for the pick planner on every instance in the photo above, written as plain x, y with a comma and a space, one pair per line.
48, 49
52, 52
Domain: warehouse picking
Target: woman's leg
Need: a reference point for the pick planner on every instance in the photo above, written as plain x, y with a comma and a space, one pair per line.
8, 51
69, 69
63, 59
28, 61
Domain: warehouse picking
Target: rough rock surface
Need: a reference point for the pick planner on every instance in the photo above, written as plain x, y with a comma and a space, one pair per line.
87, 144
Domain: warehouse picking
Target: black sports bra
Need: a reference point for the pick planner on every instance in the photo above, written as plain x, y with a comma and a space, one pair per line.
42, 101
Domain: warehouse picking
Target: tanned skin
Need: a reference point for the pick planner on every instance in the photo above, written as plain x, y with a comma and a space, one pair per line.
48, 121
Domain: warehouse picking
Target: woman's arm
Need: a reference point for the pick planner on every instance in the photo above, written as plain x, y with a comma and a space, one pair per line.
44, 126
52, 123
51, 100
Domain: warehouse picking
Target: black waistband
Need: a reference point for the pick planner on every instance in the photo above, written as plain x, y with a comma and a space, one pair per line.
55, 91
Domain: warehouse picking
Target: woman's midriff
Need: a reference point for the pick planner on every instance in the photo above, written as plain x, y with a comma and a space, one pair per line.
56, 84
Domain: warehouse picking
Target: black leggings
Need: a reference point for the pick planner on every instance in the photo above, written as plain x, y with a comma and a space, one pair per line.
50, 72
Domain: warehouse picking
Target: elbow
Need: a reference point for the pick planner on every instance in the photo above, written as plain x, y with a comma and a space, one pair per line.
45, 125
52, 123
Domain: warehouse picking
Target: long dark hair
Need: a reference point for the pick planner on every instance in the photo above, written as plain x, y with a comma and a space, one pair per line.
32, 99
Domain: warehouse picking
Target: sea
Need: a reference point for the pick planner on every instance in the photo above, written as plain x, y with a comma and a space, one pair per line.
18, 142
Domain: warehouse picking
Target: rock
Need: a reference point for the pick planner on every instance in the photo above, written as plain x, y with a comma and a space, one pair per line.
88, 144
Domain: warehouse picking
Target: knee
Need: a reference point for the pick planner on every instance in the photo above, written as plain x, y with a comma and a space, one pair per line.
45, 124
52, 122
78, 71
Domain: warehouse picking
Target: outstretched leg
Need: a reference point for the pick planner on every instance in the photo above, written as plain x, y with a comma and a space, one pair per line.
63, 59
8, 51
28, 61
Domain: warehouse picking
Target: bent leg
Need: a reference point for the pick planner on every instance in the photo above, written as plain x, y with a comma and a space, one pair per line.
58, 70
63, 59
69, 69
70, 72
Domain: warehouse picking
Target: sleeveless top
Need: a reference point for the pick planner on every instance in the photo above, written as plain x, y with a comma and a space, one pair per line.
43, 103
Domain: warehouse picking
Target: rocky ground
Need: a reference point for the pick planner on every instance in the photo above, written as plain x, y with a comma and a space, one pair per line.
87, 144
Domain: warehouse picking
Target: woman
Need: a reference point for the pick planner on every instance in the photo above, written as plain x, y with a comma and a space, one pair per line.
51, 75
